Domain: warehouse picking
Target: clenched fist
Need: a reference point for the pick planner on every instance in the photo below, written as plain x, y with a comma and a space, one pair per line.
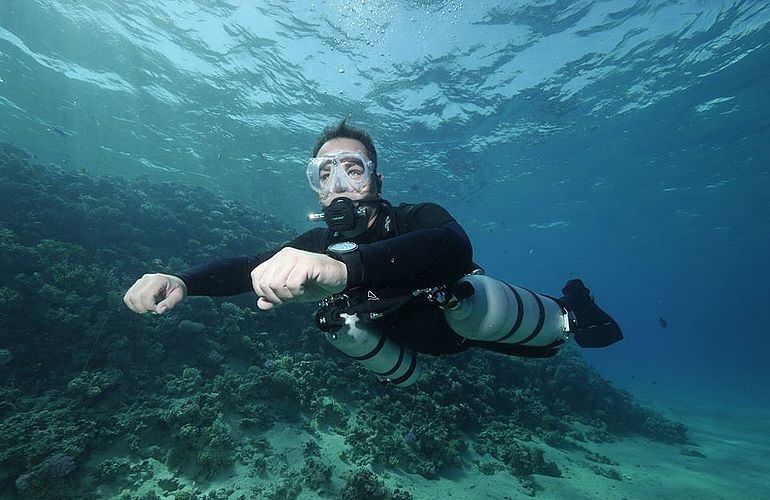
293, 275
155, 293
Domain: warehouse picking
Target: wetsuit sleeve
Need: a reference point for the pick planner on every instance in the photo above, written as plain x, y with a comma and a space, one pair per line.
225, 277
432, 249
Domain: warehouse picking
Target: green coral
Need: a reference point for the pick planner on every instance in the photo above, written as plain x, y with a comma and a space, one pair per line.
288, 489
201, 440
503, 442
415, 434
329, 414
362, 483
316, 475
189, 380
92, 384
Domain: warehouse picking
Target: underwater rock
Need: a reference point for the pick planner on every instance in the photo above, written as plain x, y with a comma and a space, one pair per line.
169, 485
215, 356
47, 479
399, 494
665, 430
690, 452
599, 459
6, 356
58, 465
608, 472
489, 468
23, 482
188, 326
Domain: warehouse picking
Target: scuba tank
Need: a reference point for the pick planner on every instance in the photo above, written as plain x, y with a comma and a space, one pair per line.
484, 309
391, 362
489, 313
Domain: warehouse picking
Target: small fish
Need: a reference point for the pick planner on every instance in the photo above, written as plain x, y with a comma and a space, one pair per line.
662, 322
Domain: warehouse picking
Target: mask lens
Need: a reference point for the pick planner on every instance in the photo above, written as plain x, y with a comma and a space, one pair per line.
339, 172
323, 174
355, 170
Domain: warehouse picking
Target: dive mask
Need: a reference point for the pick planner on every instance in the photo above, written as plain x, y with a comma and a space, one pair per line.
339, 172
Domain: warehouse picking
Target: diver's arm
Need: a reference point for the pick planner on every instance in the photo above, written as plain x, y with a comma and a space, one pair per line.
223, 277
232, 276
424, 256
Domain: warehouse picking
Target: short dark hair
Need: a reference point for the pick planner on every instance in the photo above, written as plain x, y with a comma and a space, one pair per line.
343, 129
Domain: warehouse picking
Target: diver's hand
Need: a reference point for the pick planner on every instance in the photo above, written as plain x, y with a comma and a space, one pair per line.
293, 275
155, 293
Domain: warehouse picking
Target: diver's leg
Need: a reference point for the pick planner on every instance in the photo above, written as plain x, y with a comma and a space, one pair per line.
594, 327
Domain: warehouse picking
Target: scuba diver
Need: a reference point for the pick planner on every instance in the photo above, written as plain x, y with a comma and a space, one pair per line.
391, 282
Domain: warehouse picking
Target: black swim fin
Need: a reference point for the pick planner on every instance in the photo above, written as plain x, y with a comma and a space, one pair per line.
595, 328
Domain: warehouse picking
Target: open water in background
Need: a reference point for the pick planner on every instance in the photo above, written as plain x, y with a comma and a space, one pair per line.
624, 142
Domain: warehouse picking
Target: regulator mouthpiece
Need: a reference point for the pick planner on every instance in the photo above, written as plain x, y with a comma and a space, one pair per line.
342, 214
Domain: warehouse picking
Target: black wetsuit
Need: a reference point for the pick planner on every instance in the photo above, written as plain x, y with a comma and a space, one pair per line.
410, 247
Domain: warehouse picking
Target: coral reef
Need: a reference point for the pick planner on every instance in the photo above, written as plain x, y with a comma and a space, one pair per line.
362, 483
97, 402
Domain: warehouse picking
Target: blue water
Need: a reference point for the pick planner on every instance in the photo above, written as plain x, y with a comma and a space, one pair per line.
624, 142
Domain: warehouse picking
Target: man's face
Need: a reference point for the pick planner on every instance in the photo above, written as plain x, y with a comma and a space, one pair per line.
369, 189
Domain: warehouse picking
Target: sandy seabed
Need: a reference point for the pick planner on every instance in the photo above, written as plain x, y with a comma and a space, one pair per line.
727, 459
734, 444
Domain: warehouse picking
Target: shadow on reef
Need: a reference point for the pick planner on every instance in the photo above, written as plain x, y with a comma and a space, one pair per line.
95, 400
